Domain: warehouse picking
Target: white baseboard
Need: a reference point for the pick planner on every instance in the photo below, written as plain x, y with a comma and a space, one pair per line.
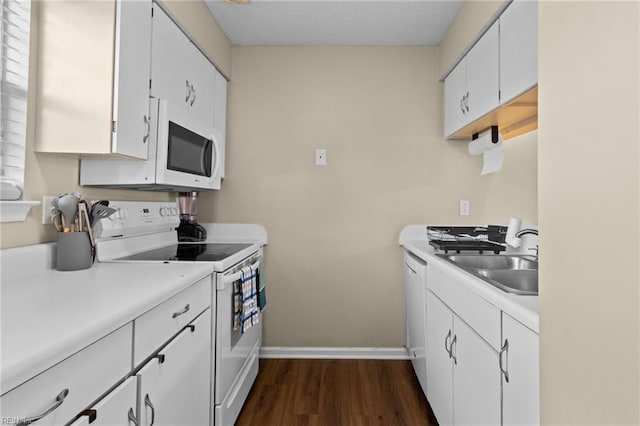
333, 353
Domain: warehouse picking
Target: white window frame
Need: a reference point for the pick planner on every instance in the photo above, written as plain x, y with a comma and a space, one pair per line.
15, 22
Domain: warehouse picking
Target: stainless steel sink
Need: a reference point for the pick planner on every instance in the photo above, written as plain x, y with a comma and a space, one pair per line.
480, 261
510, 273
513, 281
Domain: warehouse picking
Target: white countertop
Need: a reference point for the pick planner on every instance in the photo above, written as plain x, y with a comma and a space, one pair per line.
49, 315
522, 308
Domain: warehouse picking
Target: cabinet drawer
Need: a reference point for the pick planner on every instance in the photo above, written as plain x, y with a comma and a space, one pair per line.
86, 375
482, 316
165, 320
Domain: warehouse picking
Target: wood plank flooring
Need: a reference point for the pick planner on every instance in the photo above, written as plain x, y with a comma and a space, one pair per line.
334, 393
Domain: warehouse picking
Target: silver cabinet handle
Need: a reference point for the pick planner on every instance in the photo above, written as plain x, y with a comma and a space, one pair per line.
466, 101
147, 123
193, 90
410, 268
59, 400
148, 403
183, 311
454, 342
189, 88
446, 347
504, 350
132, 417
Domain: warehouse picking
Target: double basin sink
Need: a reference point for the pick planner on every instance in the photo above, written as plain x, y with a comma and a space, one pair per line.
510, 273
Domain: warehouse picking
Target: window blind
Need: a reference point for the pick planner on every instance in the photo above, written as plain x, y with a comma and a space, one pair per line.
14, 70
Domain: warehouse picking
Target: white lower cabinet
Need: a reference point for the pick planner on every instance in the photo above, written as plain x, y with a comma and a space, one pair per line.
520, 374
174, 385
462, 370
115, 409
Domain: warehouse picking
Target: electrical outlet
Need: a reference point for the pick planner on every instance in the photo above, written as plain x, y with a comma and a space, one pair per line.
46, 208
465, 207
321, 157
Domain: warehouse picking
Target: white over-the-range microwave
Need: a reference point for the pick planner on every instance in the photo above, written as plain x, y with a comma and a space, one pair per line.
184, 155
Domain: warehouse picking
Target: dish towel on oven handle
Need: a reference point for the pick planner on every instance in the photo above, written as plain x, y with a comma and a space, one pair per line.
250, 315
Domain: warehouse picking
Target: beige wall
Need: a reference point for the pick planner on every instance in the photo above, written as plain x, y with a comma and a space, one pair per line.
48, 174
333, 260
472, 19
589, 211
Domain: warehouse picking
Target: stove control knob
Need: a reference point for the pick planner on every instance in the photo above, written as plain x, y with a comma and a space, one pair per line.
174, 211
163, 211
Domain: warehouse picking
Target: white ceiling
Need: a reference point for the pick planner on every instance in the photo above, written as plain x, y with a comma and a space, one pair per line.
335, 22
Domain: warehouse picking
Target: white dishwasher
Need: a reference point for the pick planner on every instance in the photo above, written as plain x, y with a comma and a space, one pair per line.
415, 286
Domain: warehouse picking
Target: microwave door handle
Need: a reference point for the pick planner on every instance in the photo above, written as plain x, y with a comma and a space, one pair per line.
205, 157
216, 149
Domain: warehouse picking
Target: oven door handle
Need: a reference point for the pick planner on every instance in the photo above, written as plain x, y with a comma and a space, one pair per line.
228, 279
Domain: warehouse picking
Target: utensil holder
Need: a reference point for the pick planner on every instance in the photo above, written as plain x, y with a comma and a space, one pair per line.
73, 251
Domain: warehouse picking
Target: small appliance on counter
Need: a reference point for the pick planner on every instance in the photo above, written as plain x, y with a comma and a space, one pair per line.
189, 230
467, 238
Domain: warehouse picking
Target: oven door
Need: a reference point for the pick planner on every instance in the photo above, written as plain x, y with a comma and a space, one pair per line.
235, 351
188, 151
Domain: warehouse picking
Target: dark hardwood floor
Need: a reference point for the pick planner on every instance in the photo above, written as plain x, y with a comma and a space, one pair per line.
336, 393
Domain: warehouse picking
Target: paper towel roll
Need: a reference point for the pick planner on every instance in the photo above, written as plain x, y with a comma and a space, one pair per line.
515, 224
484, 143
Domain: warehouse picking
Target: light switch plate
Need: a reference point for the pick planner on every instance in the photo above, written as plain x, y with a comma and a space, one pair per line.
465, 207
321, 157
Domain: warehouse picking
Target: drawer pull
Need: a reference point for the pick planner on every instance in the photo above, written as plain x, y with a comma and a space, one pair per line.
191, 327
183, 311
59, 400
160, 358
147, 402
132, 417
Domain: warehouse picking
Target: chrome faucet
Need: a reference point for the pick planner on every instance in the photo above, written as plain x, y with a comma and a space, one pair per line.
524, 232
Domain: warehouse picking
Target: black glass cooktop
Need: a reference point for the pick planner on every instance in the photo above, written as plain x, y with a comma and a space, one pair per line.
189, 252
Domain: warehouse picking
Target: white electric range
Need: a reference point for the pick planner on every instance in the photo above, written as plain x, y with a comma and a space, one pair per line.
145, 232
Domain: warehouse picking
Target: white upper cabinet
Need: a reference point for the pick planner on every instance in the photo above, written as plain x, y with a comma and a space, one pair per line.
518, 48
455, 94
472, 89
180, 73
221, 115
482, 75
131, 90
491, 83
93, 78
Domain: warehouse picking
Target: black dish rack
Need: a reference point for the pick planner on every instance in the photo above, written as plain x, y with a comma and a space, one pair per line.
468, 238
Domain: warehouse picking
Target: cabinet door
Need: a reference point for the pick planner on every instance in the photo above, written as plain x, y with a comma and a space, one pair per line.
483, 74
169, 53
476, 379
131, 78
115, 409
520, 361
518, 49
176, 391
201, 75
415, 287
455, 92
439, 364
220, 122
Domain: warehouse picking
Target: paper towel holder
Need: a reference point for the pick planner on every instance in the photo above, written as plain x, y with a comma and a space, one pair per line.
495, 138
